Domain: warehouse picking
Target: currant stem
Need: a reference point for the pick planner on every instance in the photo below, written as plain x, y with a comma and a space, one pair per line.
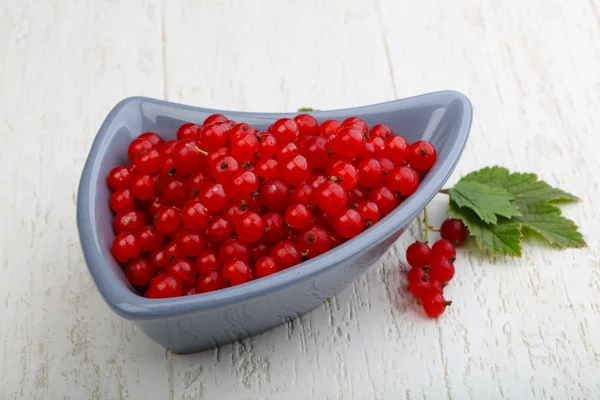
426, 223
201, 151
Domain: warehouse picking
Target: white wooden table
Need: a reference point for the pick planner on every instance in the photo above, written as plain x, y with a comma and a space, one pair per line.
527, 328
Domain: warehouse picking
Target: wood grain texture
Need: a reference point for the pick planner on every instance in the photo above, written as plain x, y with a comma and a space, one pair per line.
526, 328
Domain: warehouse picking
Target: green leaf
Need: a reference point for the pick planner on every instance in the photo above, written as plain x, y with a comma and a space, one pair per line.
485, 200
546, 220
503, 239
524, 186
306, 109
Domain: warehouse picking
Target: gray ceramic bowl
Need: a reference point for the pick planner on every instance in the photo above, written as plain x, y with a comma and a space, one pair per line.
194, 323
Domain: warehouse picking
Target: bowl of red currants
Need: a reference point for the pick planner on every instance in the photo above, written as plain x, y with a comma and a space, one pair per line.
206, 226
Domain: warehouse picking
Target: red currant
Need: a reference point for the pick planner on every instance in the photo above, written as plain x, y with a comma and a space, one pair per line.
265, 266
440, 268
295, 169
139, 271
188, 131
159, 259
369, 213
316, 151
274, 194
417, 255
259, 249
164, 286
298, 216
434, 305
209, 281
370, 173
138, 146
125, 247
415, 275
286, 254
129, 221
196, 182
274, 228
153, 138
384, 198
314, 240
212, 137
367, 152
403, 180
187, 156
378, 144
307, 125
206, 261
345, 174
214, 119
218, 230
421, 155
184, 270
243, 185
121, 200
172, 250
191, 243
381, 131
317, 180
331, 198
348, 224
214, 197
149, 238
286, 150
445, 249
223, 168
303, 194
267, 145
174, 192
148, 161
454, 231
285, 130
119, 178
386, 165
249, 226
356, 123
244, 146
267, 169
396, 149
329, 127
348, 142
320, 218
194, 215
142, 186
357, 195
420, 288
236, 272
167, 219
236, 249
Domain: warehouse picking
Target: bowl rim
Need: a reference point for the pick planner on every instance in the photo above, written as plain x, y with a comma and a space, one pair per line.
129, 305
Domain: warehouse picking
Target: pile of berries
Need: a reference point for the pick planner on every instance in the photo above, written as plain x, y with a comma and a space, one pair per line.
432, 268
225, 203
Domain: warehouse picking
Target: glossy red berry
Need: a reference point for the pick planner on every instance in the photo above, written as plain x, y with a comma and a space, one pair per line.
259, 249
348, 224
395, 149
265, 266
369, 213
138, 146
212, 137
313, 241
187, 156
415, 275
417, 255
286, 150
218, 229
348, 142
434, 305
298, 216
295, 169
303, 194
139, 271
125, 247
307, 125
267, 145
357, 195
214, 119
171, 250
403, 180
316, 151
422, 155
378, 145
356, 123
167, 219
445, 249
386, 165
142, 186
234, 249
129, 221
420, 288
236, 272
322, 219
345, 174
329, 127
196, 182
194, 215
223, 168
267, 169
440, 268
274, 194
214, 197
317, 180
384, 198
174, 191
381, 131
249, 226
148, 161
121, 200
244, 146
207, 260
164, 286
274, 228
285, 130
331, 198
454, 231
159, 259
183, 270
233, 210
243, 185
188, 131
191, 243
286, 254
209, 281
119, 178
149, 238
370, 173
435, 287
153, 138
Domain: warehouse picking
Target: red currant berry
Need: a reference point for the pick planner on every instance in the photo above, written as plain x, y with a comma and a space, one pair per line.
188, 131
209, 281
171, 250
194, 215
236, 272
121, 200
445, 249
286, 150
243, 185
214, 197
329, 127
265, 266
348, 142
142, 186
233, 210
274, 228
206, 261
125, 247
119, 178
139, 271
422, 155
420, 287
378, 143
303, 194
234, 249
159, 259
415, 275
454, 231
129, 221
214, 119
164, 286
241, 128
167, 167
191, 291
275, 195
153, 138
381, 131
386, 165
316, 151
335, 239
370, 173
167, 219
417, 255
436, 287
395, 149
369, 213
440, 268
384, 198
314, 240
218, 230
292, 235
331, 198
259, 249
148, 161
307, 125
434, 305
317, 180
149, 238
298, 216
356, 123
403, 180
244, 146
285, 130
191, 243
174, 192
138, 146
368, 151
322, 219
267, 169
357, 195
267, 145
249, 226
196, 182
345, 174
223, 168
167, 148
184, 270
212, 137
187, 156
286, 254
348, 224
295, 169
